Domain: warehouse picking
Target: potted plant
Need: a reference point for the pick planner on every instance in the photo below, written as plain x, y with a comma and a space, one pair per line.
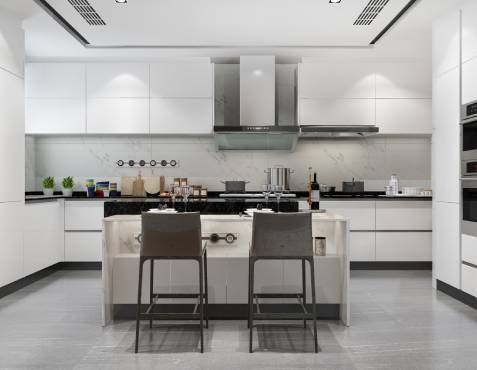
48, 186
67, 184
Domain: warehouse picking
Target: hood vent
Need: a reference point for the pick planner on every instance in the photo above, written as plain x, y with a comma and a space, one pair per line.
84, 8
357, 131
370, 12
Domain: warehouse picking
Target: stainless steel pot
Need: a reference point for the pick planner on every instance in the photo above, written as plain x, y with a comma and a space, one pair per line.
279, 176
235, 186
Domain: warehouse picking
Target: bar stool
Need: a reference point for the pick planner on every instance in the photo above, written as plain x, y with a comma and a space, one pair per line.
282, 236
172, 237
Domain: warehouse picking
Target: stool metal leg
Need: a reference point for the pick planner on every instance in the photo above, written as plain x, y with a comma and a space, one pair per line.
206, 291
251, 268
151, 287
303, 279
313, 297
138, 308
201, 298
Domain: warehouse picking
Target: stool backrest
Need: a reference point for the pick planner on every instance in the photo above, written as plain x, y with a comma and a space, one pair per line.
282, 235
171, 235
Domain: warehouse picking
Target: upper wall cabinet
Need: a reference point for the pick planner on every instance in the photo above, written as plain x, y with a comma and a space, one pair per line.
335, 80
469, 31
117, 80
469, 77
403, 80
446, 43
404, 116
55, 80
182, 80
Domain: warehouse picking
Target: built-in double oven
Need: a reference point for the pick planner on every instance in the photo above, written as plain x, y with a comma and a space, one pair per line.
469, 168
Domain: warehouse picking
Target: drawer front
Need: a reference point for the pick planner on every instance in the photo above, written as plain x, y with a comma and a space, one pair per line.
469, 249
360, 213
84, 215
403, 246
83, 246
403, 215
469, 278
362, 246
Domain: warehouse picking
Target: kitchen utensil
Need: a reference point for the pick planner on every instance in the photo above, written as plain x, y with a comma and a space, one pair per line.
279, 176
235, 186
152, 185
394, 184
162, 184
353, 186
327, 188
411, 191
138, 187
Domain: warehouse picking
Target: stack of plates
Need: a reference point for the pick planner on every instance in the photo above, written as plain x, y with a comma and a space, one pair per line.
157, 210
251, 211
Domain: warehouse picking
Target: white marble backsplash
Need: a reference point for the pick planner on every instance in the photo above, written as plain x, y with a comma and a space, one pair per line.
371, 159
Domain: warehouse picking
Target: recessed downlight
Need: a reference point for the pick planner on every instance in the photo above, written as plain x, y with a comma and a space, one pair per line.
335, 1
121, 1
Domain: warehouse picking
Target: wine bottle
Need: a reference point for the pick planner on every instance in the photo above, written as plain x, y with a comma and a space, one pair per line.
315, 193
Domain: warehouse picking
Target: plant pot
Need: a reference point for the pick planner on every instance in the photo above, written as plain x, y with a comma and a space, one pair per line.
67, 192
48, 192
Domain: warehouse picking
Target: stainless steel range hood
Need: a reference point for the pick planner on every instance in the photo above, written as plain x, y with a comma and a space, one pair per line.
255, 122
318, 131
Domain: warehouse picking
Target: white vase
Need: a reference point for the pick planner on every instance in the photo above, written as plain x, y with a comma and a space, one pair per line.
67, 192
48, 192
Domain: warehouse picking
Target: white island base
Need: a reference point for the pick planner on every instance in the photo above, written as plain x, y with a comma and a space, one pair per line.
227, 269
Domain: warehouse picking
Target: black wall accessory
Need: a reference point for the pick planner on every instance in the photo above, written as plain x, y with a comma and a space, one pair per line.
152, 163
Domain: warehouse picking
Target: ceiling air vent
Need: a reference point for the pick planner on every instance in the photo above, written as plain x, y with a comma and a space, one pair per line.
370, 12
88, 13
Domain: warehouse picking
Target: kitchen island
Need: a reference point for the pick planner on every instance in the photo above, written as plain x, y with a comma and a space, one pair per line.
228, 269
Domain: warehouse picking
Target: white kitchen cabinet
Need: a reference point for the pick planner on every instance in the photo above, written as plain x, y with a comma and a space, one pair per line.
181, 116
83, 246
404, 215
84, 215
55, 116
361, 214
469, 279
269, 278
446, 42
403, 246
445, 240
117, 80
403, 80
446, 137
469, 76
12, 137
118, 116
12, 43
11, 247
237, 280
469, 31
43, 235
336, 80
336, 111
404, 116
55, 80
182, 80
362, 246
469, 249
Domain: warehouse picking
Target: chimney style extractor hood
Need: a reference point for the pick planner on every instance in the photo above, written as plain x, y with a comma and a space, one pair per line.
338, 131
257, 128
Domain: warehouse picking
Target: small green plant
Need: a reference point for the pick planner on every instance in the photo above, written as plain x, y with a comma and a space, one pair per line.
68, 182
48, 182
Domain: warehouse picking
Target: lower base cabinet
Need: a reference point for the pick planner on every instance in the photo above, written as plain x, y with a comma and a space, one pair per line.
11, 235
469, 279
83, 246
362, 246
404, 246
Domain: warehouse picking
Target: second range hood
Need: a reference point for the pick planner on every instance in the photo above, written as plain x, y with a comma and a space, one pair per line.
257, 126
338, 131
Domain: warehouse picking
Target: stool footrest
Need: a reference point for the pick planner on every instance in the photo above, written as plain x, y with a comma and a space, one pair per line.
176, 295
169, 316
282, 316
278, 295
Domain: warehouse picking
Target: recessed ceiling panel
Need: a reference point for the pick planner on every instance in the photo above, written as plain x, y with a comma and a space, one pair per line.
170, 23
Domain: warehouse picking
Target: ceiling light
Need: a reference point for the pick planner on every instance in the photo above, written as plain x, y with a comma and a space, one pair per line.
125, 1
331, 1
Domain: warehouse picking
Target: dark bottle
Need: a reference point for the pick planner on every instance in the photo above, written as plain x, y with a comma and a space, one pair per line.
315, 193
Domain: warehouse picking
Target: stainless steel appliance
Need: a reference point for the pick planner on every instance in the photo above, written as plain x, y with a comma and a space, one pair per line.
279, 176
235, 186
469, 207
353, 186
469, 132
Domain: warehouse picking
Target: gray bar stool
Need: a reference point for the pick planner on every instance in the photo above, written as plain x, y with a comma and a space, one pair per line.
282, 236
172, 237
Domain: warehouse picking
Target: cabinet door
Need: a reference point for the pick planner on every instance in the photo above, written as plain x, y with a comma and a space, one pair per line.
404, 215
55, 116
469, 249
55, 80
469, 76
182, 80
445, 242
446, 43
469, 278
469, 31
12, 137
118, 116
446, 137
11, 247
362, 246
83, 246
84, 215
403, 80
336, 111
403, 246
361, 214
404, 116
181, 116
118, 80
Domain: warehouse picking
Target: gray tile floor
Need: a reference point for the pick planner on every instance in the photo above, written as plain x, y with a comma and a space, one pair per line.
399, 322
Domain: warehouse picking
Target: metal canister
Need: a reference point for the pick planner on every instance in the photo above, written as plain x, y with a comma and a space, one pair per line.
279, 176
320, 246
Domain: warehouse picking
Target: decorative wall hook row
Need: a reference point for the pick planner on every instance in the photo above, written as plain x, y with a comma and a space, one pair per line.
152, 163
